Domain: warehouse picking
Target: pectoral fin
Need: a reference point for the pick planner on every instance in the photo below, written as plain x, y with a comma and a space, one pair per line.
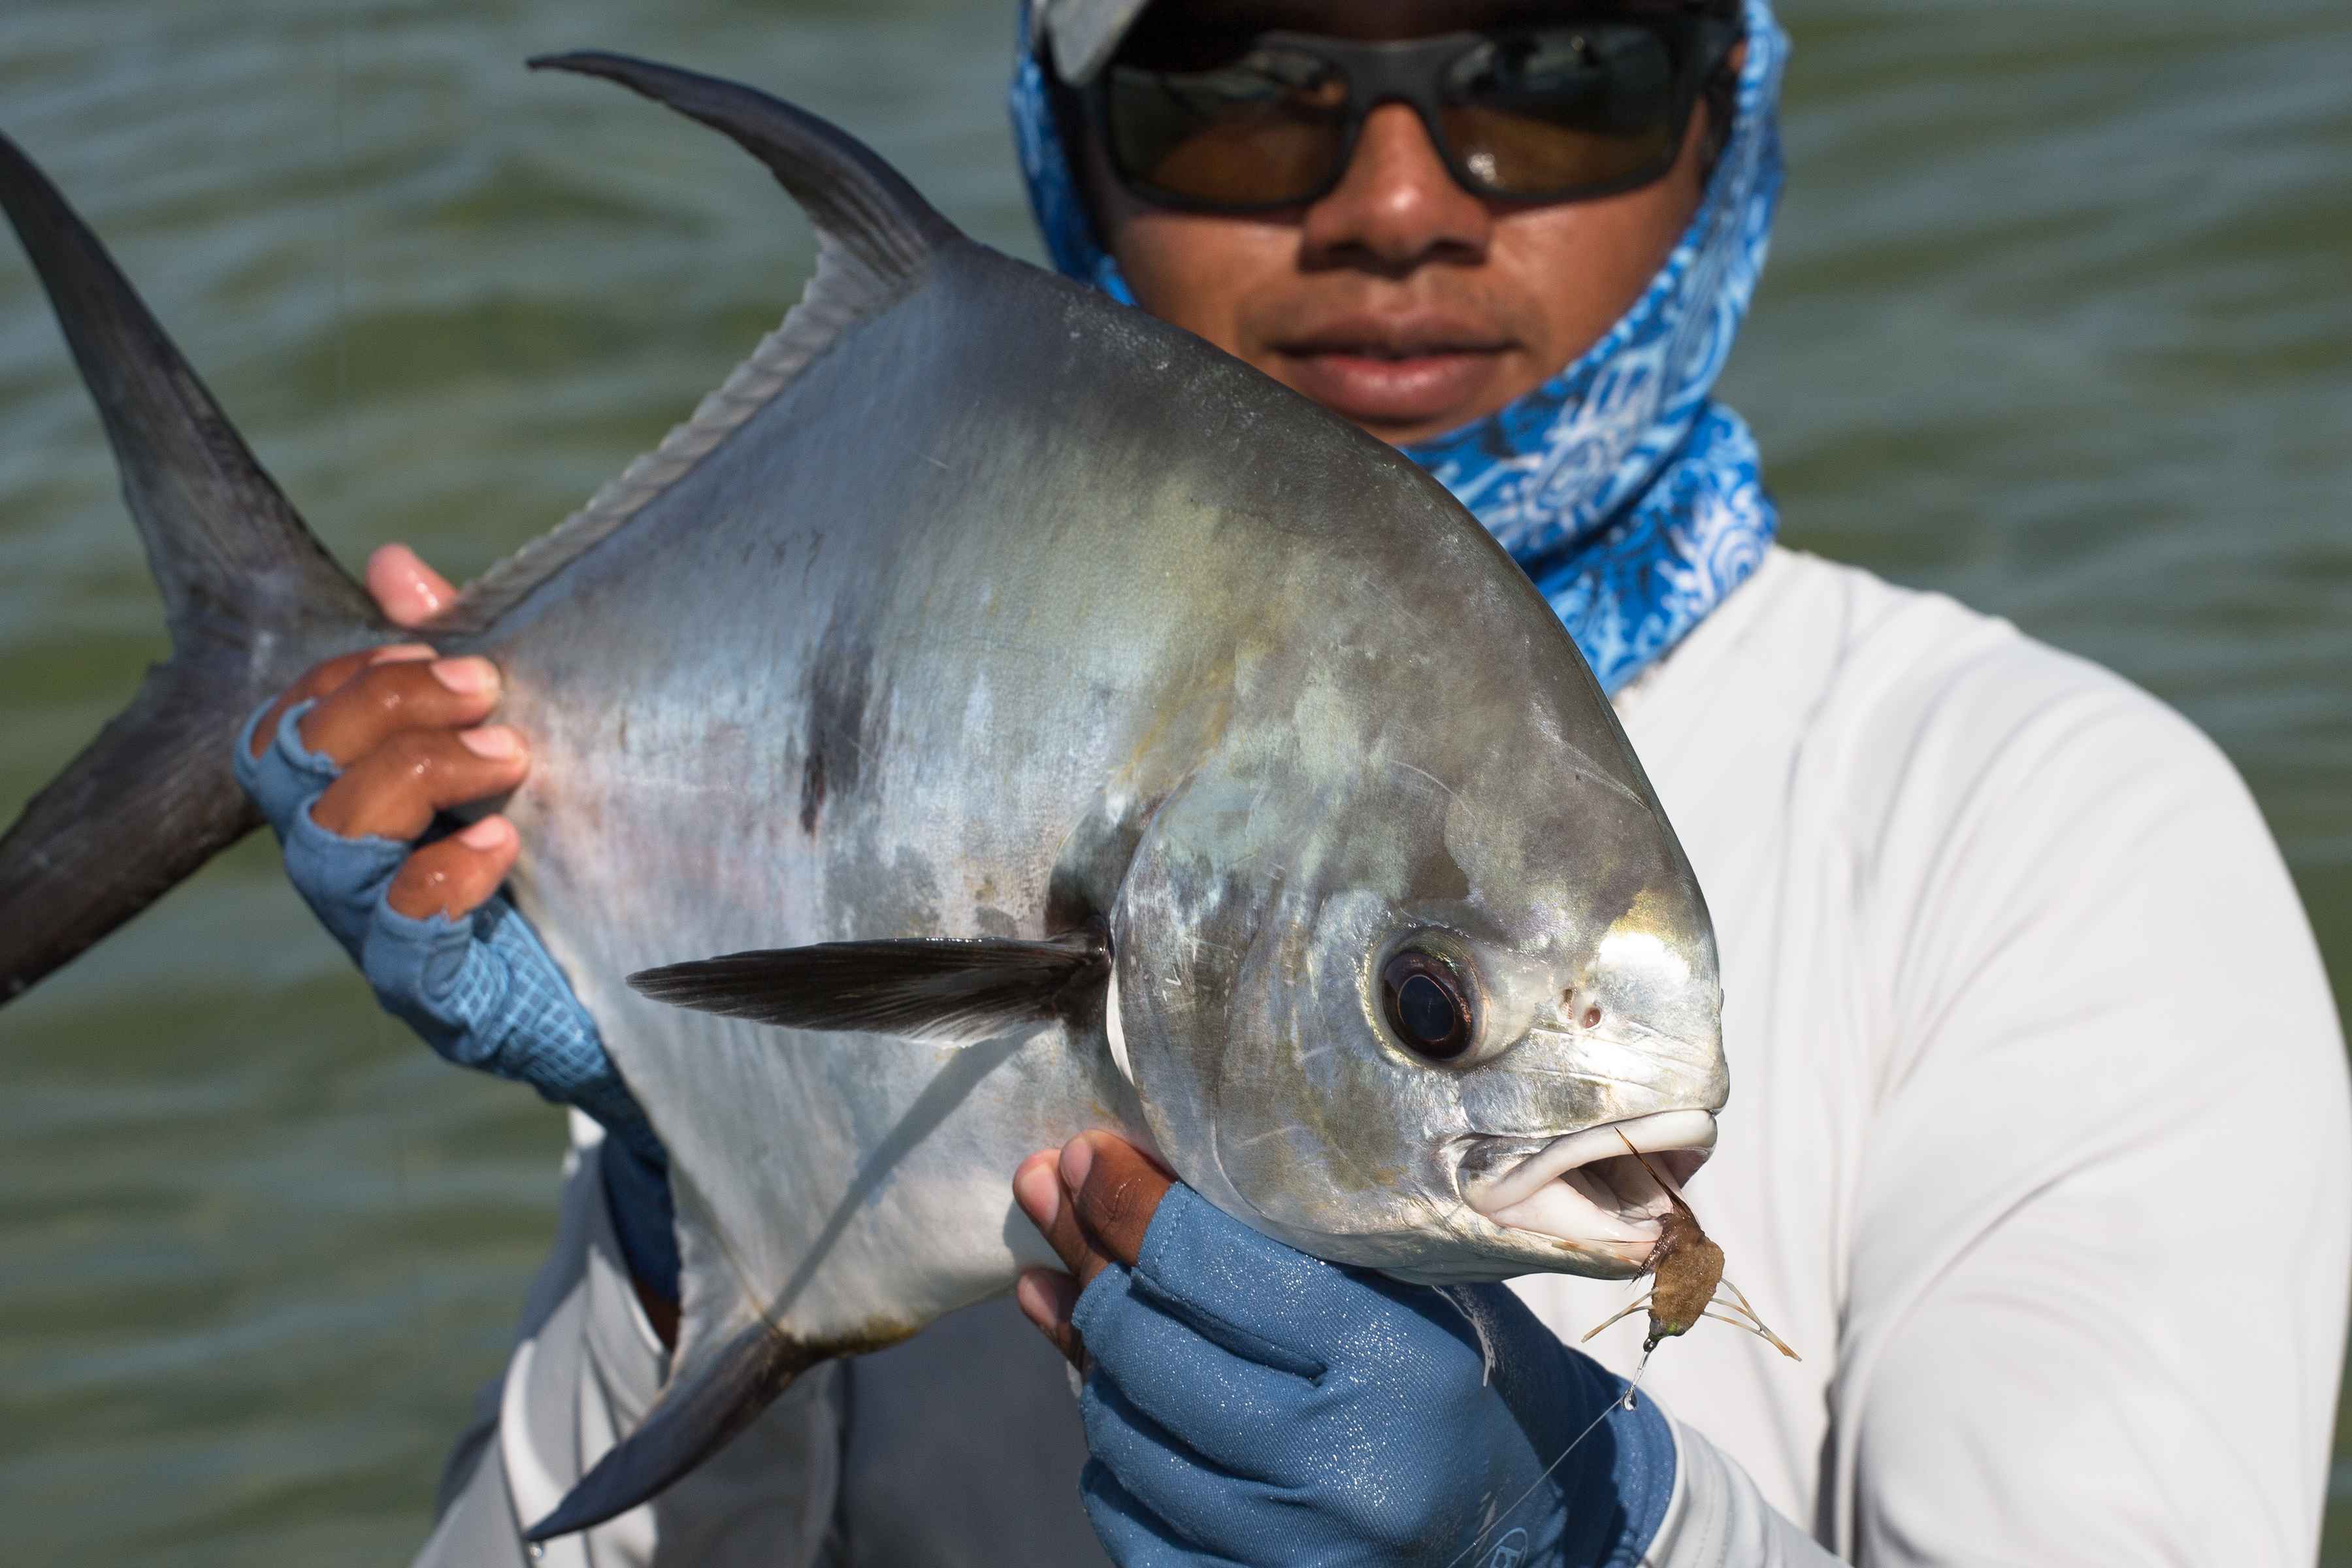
957, 990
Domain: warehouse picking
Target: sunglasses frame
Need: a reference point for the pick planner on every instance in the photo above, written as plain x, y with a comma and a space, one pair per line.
1411, 71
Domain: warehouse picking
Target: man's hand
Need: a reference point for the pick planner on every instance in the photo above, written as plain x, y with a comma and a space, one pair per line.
405, 730
358, 767
1245, 1403
1116, 1198
402, 733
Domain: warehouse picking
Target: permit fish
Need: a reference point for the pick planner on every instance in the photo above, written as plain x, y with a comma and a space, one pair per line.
993, 714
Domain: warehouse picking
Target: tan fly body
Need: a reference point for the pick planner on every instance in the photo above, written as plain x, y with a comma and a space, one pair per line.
1685, 1272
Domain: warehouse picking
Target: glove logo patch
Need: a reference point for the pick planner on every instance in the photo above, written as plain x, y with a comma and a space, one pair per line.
1509, 1552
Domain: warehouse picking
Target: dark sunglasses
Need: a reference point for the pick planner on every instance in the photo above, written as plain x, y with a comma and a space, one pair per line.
1560, 113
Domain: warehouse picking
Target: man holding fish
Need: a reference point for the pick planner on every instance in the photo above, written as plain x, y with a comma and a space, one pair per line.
2040, 1096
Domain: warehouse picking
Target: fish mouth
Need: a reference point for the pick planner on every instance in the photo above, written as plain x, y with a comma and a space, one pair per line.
1583, 1190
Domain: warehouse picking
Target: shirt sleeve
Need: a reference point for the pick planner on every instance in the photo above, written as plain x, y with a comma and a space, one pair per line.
1717, 1518
2096, 1305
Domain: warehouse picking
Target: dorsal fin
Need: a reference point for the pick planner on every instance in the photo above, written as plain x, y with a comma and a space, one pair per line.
874, 235
855, 199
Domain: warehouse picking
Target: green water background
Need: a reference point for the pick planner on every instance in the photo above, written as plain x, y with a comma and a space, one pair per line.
2057, 320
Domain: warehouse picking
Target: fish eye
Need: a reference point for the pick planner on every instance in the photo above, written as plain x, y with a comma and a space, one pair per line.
1428, 1006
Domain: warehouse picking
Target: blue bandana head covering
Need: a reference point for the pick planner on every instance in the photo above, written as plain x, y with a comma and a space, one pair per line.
1633, 499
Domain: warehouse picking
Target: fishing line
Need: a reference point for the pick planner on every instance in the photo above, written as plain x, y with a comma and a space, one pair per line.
343, 250
1623, 1402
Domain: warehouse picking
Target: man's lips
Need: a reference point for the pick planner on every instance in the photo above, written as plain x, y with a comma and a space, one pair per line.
1404, 371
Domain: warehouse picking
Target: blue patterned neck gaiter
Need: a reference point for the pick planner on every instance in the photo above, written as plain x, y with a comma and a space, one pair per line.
1634, 500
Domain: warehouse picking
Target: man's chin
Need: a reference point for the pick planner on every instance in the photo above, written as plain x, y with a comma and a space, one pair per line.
1403, 399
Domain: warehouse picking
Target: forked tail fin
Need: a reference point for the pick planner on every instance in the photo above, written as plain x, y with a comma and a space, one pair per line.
251, 600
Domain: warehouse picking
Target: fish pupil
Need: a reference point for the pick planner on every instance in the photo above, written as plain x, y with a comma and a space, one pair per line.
1427, 1011
1426, 1005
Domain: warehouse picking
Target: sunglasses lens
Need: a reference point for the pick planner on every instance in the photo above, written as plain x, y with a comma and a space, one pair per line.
1564, 110
1267, 129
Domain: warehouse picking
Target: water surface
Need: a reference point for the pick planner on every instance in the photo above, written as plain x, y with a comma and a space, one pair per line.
2057, 321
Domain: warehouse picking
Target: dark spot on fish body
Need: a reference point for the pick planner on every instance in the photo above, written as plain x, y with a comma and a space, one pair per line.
1092, 864
837, 700
811, 790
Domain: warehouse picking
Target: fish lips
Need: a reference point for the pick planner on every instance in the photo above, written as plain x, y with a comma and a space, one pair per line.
1582, 1191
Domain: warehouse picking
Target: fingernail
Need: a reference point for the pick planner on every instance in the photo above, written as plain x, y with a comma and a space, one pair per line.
1036, 1304
487, 834
466, 676
495, 741
1077, 1159
400, 652
1038, 1194
421, 580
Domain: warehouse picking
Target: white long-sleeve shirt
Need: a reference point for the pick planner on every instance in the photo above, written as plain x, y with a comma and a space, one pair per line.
2038, 1144
2039, 1150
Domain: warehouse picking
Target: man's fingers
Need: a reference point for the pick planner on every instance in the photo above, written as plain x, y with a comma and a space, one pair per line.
407, 591
1115, 1189
1037, 1186
394, 791
1047, 1297
321, 679
397, 695
455, 876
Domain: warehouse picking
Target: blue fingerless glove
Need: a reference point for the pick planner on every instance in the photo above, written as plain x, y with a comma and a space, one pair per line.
1249, 1404
481, 990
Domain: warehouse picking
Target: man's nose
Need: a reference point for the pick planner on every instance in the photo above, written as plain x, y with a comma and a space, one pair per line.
1396, 208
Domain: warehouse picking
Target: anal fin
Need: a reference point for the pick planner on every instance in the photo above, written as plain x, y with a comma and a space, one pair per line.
708, 1402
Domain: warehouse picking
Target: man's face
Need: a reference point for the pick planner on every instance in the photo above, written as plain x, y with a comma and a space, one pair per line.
1400, 300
